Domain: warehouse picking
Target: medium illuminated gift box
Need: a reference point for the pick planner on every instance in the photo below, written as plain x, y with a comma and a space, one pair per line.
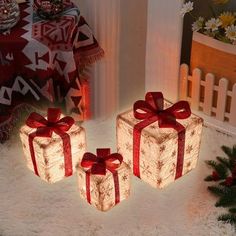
103, 179
159, 141
53, 146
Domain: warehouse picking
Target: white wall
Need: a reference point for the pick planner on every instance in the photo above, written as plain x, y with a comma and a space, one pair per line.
149, 50
132, 51
164, 36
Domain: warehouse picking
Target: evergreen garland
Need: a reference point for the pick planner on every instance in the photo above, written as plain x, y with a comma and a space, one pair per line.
224, 173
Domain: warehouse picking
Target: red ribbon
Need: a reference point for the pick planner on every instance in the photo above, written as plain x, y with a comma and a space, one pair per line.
98, 165
45, 128
152, 110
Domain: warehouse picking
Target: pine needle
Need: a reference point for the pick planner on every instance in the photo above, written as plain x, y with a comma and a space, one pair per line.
218, 191
232, 210
228, 218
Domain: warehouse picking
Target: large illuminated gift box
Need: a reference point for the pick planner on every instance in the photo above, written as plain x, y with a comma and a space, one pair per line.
158, 140
53, 146
103, 179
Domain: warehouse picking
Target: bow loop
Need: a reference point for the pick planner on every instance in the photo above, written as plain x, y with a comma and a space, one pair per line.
153, 106
156, 100
180, 110
98, 164
35, 120
45, 127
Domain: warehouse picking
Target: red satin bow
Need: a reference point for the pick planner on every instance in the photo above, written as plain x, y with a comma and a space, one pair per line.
98, 164
53, 123
152, 110
45, 128
153, 106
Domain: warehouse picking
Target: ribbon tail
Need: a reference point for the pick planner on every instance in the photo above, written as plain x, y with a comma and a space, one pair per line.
67, 154
31, 146
88, 194
181, 147
136, 143
117, 187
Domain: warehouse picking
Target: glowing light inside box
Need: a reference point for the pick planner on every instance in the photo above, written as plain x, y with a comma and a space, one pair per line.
49, 152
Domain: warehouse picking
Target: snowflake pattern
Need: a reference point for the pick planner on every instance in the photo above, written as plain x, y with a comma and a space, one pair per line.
160, 164
48, 177
81, 146
80, 175
189, 166
128, 147
162, 149
82, 193
124, 177
173, 154
153, 127
127, 193
129, 163
106, 192
146, 169
159, 181
143, 152
46, 161
192, 133
147, 139
189, 149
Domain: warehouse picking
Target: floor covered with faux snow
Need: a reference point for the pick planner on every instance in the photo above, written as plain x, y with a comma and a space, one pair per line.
30, 207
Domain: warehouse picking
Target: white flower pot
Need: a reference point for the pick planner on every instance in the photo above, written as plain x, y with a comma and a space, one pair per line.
213, 56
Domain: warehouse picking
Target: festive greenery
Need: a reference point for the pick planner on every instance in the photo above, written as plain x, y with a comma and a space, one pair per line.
224, 173
221, 25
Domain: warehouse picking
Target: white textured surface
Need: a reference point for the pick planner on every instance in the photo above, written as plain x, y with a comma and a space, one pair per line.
29, 206
163, 47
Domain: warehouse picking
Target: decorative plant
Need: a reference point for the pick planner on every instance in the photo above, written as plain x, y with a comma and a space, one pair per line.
224, 173
221, 25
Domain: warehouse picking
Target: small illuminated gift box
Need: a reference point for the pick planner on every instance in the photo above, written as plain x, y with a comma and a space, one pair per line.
103, 179
53, 146
159, 141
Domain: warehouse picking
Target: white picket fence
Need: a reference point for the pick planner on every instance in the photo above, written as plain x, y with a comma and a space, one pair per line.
205, 104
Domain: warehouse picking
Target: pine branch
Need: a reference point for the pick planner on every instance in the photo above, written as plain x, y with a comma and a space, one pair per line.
218, 191
219, 168
222, 171
232, 210
209, 178
227, 150
228, 199
211, 163
224, 161
227, 218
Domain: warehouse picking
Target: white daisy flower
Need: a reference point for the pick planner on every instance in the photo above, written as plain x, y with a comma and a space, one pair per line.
230, 32
213, 24
198, 24
187, 7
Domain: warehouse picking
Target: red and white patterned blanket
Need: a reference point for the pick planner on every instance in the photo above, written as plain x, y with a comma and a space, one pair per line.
39, 64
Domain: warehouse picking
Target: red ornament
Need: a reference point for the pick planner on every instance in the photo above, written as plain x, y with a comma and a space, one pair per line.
229, 181
215, 176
